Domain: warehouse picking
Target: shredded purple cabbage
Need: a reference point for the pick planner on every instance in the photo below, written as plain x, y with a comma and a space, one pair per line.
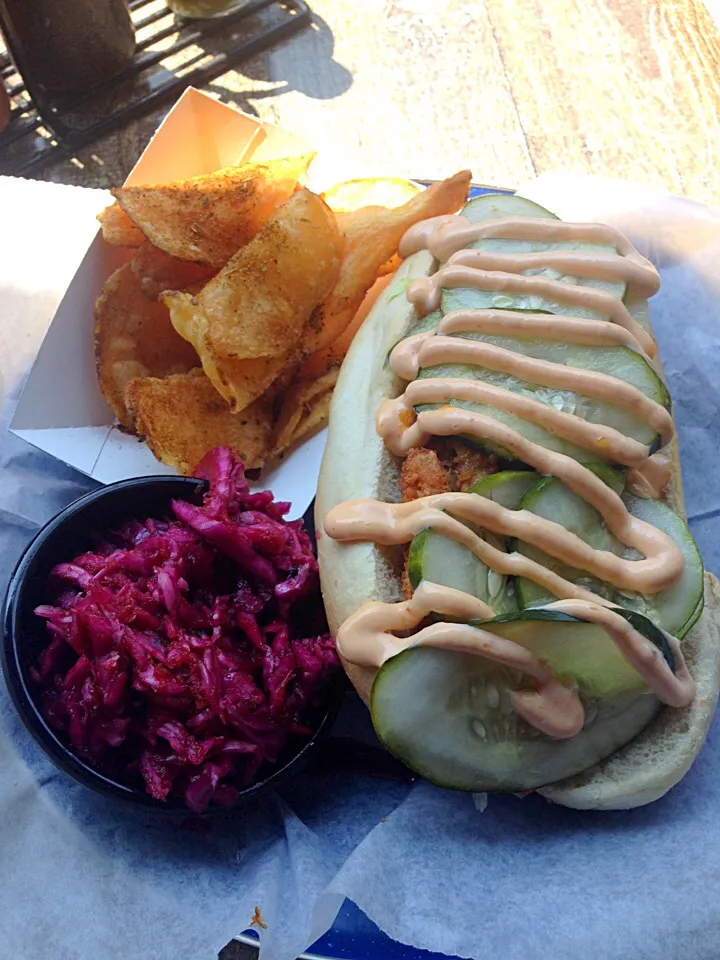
188, 650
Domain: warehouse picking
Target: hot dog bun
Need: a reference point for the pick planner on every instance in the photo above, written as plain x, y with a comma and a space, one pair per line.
356, 465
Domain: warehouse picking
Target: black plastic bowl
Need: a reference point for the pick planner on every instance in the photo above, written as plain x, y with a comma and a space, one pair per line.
71, 532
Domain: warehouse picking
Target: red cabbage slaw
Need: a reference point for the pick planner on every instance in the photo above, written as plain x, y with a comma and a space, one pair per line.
186, 651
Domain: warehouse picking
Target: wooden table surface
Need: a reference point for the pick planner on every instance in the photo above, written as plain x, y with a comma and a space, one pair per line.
626, 88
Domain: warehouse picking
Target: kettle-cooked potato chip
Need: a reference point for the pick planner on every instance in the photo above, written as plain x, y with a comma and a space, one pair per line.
387, 192
305, 403
239, 382
242, 381
306, 408
264, 283
249, 322
118, 229
314, 418
372, 235
182, 417
208, 218
158, 271
134, 338
333, 355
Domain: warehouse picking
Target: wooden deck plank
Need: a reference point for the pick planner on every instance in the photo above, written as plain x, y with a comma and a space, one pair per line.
411, 88
626, 88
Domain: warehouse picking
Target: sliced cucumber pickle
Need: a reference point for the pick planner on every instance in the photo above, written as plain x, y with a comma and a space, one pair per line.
624, 421
674, 609
620, 362
469, 298
428, 322
639, 310
494, 206
442, 560
449, 715
615, 479
507, 487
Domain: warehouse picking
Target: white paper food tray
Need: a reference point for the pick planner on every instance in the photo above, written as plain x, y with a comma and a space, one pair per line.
61, 409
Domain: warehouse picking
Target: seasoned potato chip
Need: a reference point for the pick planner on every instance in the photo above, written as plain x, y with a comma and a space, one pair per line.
242, 381
158, 271
182, 417
390, 266
302, 405
248, 323
386, 192
208, 218
334, 354
307, 409
263, 282
239, 382
317, 417
118, 229
258, 305
372, 235
134, 338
